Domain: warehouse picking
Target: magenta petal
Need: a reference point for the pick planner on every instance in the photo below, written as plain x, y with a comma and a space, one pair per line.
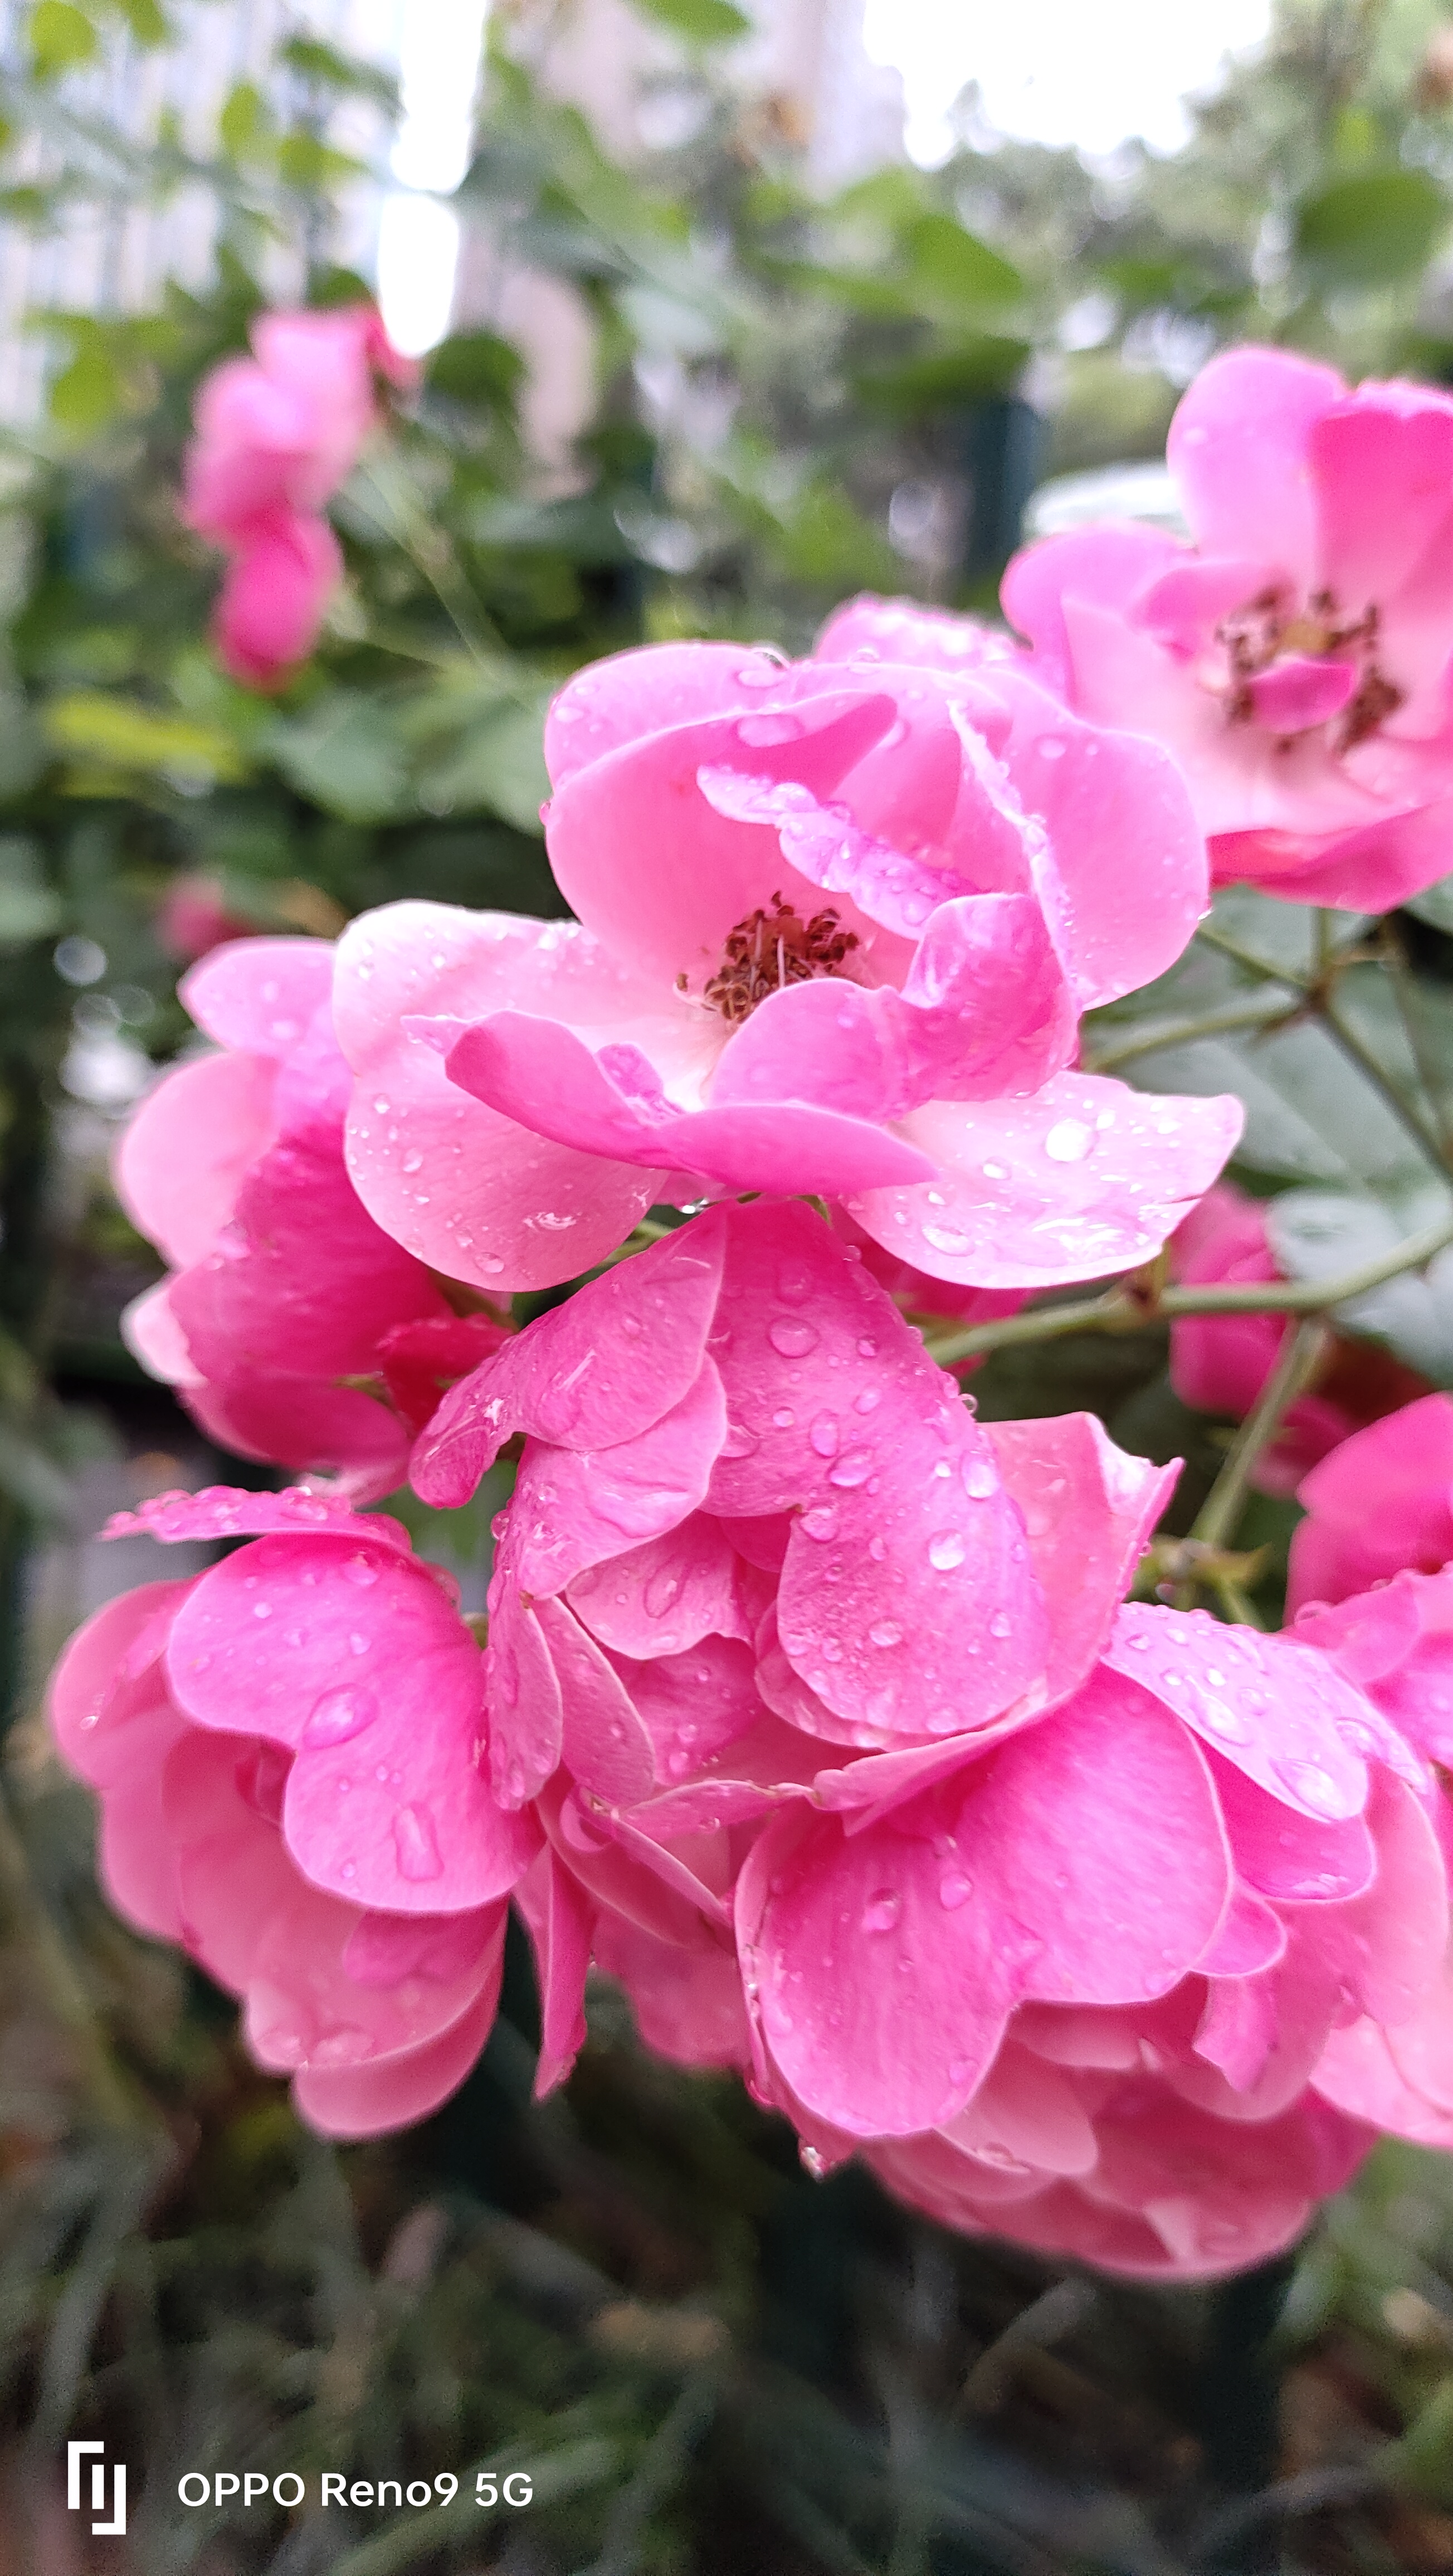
1081, 1863
1357, 2072
1285, 1854
576, 1508
1381, 1501
652, 686
612, 1104
605, 1745
110, 1679
1113, 563
522, 1691
560, 1919
1089, 1510
1185, 605
652, 1313
1297, 692
1277, 1710
665, 1596
1382, 470
1083, 1179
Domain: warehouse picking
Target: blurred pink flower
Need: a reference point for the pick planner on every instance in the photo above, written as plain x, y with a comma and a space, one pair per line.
1295, 656
282, 1288
1380, 1503
276, 435
286, 1753
836, 925
1220, 1363
193, 917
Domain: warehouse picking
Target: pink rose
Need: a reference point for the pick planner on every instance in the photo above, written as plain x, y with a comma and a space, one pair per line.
1381, 1502
276, 435
1294, 656
1220, 1363
286, 1754
756, 1535
836, 924
282, 1289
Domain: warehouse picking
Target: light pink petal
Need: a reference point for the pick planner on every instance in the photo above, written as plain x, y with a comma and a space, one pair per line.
1250, 1938
152, 1335
1287, 1855
1112, 564
1239, 448
646, 1891
688, 2003
1382, 1501
649, 865
368, 2101
1026, 2112
648, 689
109, 1679
1124, 879
352, 1655
1421, 2047
1083, 1863
258, 996
1386, 1947
663, 1597
611, 1104
827, 846
903, 631
695, 1705
233, 1873
307, 2004
1089, 1510
652, 1314
1084, 1179
1184, 605
187, 1150
1218, 2195
1358, 2072
298, 1423
1372, 869
560, 1919
1275, 1709
470, 1193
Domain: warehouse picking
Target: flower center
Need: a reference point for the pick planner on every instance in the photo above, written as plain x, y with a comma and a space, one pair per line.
770, 950
1268, 633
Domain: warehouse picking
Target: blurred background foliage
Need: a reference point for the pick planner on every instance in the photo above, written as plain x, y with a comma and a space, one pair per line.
707, 2361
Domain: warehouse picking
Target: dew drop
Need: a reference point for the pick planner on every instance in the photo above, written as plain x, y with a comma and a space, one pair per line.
361, 1570
853, 1468
824, 1435
882, 1910
946, 1549
885, 1632
999, 1625
1069, 1141
820, 1523
978, 1479
954, 1889
417, 1844
1309, 1784
793, 1336
337, 1715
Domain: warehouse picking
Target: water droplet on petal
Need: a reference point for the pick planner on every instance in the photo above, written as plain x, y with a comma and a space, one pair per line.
338, 1715
947, 1549
954, 1889
824, 1435
417, 1844
361, 1570
1069, 1140
885, 1632
793, 1336
882, 1910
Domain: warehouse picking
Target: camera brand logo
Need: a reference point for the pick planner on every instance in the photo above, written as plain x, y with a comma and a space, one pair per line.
76, 2454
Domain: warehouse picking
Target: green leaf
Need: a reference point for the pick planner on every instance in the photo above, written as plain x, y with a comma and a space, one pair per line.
146, 22
29, 908
946, 380
89, 392
476, 367
1318, 1234
701, 22
954, 267
119, 733
304, 162
59, 36
315, 61
1371, 230
1434, 904
346, 753
499, 764
244, 125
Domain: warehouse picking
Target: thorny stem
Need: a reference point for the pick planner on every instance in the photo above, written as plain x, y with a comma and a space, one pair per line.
1128, 1308
1297, 1365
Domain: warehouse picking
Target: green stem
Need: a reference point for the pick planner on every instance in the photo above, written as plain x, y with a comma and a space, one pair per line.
1265, 973
1120, 1310
1381, 1082
1296, 1367
1151, 1038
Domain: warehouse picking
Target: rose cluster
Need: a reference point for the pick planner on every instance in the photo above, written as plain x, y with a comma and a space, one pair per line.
814, 1711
